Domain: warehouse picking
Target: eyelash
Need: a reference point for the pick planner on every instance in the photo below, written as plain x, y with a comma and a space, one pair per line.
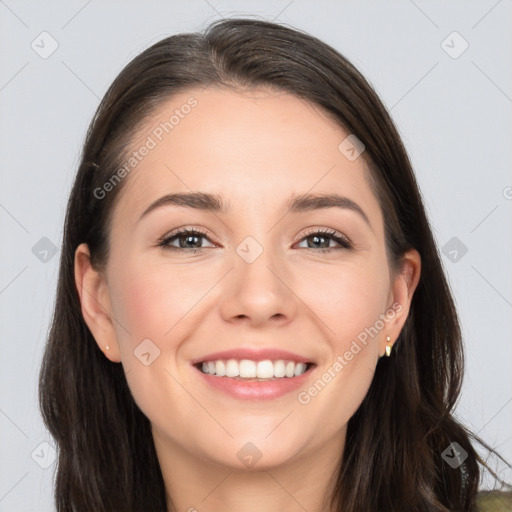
326, 233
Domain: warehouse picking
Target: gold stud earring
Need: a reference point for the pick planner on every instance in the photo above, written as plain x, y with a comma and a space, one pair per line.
388, 347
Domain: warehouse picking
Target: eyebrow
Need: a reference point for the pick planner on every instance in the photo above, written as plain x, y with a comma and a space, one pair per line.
309, 202
296, 204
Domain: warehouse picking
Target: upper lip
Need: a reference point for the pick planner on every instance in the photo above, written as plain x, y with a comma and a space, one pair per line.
254, 354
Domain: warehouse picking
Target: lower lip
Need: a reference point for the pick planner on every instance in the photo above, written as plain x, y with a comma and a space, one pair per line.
256, 390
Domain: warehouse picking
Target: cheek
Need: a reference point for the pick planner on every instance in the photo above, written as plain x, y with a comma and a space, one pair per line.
152, 303
150, 300
350, 302
347, 298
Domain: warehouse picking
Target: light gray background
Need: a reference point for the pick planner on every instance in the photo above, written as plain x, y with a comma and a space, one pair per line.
454, 115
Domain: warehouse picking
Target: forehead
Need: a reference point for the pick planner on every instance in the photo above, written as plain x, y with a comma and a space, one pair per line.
253, 147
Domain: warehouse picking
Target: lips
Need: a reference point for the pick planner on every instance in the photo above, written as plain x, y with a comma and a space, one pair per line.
298, 370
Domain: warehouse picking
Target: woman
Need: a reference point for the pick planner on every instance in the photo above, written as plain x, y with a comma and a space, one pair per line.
251, 308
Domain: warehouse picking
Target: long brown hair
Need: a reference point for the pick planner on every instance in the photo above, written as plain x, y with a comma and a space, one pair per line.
393, 454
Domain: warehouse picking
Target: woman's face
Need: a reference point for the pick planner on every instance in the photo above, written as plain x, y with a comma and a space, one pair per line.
255, 279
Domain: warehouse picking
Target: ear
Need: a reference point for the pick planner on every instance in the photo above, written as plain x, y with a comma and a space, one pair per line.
95, 303
404, 284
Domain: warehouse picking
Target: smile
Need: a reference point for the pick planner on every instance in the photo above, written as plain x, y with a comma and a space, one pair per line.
248, 369
246, 379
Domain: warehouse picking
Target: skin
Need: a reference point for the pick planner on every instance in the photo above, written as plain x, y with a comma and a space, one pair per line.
256, 148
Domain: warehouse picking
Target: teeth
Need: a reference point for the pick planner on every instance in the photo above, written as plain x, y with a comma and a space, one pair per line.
300, 368
220, 368
265, 369
279, 369
247, 369
232, 369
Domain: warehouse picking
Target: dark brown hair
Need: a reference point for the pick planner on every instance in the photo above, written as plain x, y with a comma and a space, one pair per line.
393, 454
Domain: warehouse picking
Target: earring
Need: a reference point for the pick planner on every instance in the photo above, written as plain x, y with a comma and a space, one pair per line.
388, 347
107, 347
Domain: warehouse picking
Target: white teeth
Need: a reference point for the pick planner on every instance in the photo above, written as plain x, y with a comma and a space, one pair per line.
290, 369
220, 368
232, 368
247, 369
265, 369
300, 368
279, 369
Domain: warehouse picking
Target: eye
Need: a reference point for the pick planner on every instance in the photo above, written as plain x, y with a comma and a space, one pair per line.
321, 238
186, 238
191, 239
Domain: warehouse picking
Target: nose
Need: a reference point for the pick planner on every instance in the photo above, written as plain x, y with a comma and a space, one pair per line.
259, 293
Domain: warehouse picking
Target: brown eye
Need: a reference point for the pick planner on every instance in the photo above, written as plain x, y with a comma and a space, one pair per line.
187, 239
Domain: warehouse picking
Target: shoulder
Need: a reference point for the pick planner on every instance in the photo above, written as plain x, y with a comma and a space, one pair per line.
494, 501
